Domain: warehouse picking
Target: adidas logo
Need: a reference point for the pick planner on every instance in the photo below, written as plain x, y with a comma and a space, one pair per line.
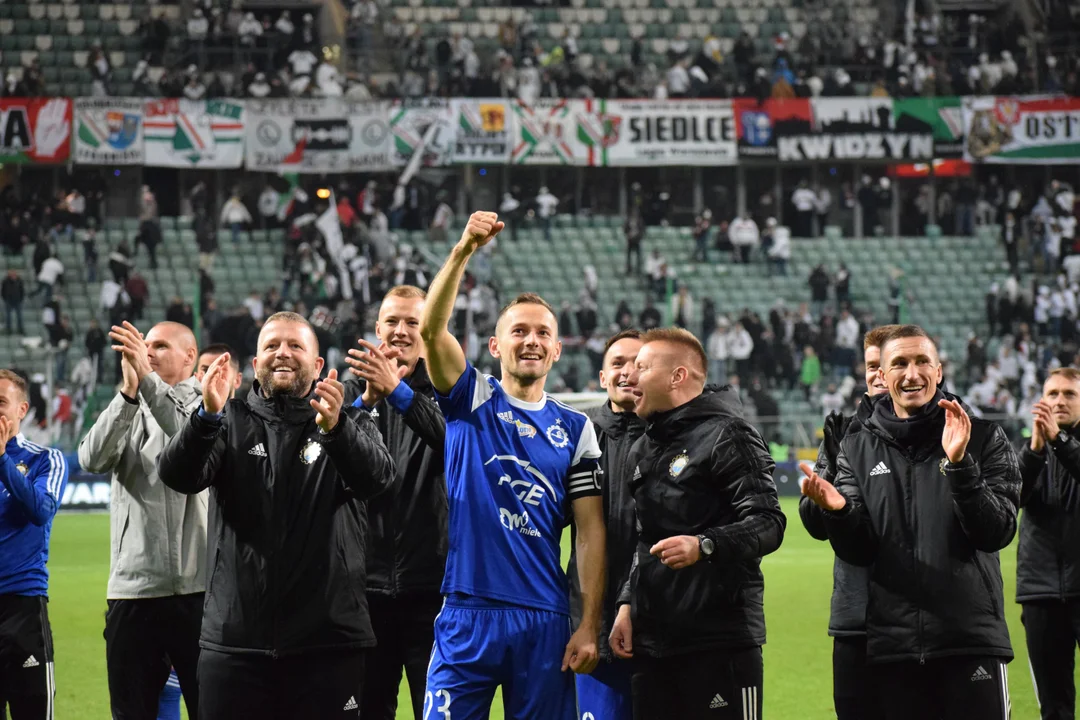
351, 705
981, 674
880, 469
637, 473
258, 451
717, 702
31, 662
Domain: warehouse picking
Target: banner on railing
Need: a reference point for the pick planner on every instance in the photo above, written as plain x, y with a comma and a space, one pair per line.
483, 130
35, 130
546, 132
658, 132
109, 131
944, 117
86, 492
194, 133
760, 125
427, 124
1022, 130
324, 135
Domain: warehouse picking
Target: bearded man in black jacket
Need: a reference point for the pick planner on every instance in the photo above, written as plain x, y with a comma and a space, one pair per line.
1048, 561
852, 689
926, 497
605, 692
707, 511
285, 623
407, 542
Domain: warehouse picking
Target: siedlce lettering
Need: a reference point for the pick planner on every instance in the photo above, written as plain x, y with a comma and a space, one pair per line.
682, 129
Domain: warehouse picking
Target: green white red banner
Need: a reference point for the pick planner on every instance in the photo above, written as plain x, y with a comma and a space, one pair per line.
194, 133
1022, 130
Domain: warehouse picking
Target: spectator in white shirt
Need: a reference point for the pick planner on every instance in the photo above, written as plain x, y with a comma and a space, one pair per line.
678, 79
717, 348
197, 28
780, 251
444, 215
268, 206
259, 88
822, 205
528, 82
76, 207
235, 215
307, 31
302, 62
832, 401
328, 81
744, 236
250, 29
545, 210
740, 347
254, 304
51, 272
194, 90
284, 26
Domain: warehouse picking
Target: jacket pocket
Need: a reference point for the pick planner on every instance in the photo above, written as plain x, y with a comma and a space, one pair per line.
988, 586
124, 523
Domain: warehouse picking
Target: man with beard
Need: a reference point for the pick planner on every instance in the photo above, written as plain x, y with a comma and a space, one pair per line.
210, 353
852, 690
926, 497
518, 462
285, 626
407, 524
605, 693
157, 574
1048, 561
707, 512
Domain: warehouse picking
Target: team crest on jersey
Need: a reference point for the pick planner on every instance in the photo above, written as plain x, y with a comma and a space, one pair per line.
678, 464
311, 452
22, 467
557, 435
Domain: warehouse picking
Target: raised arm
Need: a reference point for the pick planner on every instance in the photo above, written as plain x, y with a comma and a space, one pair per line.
445, 358
356, 448
193, 457
39, 491
101, 448
986, 494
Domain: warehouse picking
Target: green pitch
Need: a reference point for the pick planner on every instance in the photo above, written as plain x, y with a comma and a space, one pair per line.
798, 581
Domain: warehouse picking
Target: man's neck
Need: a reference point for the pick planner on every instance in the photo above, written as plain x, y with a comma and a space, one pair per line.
619, 409
532, 392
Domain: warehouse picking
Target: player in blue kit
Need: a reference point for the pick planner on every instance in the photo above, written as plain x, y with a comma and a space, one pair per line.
32, 480
518, 462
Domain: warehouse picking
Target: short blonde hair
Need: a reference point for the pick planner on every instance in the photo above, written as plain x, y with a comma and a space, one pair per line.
681, 337
407, 292
18, 381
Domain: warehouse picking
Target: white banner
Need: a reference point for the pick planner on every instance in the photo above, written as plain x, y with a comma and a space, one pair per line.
483, 130
194, 133
109, 131
660, 132
426, 125
316, 136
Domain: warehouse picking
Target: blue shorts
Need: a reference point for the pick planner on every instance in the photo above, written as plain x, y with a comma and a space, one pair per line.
605, 694
480, 645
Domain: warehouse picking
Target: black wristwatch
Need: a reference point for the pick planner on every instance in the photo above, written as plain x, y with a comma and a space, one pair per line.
705, 545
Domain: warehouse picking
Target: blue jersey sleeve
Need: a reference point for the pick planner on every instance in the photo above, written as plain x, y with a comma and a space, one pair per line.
470, 392
38, 491
585, 472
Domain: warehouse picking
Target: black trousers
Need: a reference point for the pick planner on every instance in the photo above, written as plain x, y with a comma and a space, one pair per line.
954, 688
853, 695
323, 685
143, 639
1053, 630
27, 683
405, 628
708, 684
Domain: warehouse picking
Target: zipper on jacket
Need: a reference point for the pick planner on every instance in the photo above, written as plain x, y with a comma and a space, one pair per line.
915, 560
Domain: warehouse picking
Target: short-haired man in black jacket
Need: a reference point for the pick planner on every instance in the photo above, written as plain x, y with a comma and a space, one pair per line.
852, 690
926, 497
285, 622
1048, 561
407, 542
605, 692
707, 512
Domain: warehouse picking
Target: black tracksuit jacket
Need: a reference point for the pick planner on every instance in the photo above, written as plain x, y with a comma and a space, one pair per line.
701, 469
407, 525
930, 532
616, 433
847, 609
1048, 560
286, 554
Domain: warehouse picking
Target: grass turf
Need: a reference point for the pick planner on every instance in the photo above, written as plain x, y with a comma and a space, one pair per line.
798, 581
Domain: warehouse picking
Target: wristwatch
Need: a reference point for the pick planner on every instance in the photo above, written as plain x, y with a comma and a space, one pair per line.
705, 545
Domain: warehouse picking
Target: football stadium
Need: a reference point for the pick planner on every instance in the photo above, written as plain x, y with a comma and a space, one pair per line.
351, 348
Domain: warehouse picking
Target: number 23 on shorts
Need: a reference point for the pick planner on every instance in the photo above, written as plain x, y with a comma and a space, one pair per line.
442, 696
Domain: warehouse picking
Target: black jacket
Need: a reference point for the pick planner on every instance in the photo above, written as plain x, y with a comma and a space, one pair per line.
1048, 560
407, 525
616, 433
847, 609
700, 469
931, 532
286, 550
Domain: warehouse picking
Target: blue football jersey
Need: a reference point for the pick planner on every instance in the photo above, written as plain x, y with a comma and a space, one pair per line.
512, 470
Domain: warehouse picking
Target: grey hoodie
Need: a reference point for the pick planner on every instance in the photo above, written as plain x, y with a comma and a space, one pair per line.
157, 535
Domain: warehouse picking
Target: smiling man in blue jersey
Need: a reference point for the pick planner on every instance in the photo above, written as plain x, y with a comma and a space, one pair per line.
518, 463
32, 480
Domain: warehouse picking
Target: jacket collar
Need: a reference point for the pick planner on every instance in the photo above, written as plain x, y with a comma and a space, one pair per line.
714, 401
613, 423
419, 380
287, 408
